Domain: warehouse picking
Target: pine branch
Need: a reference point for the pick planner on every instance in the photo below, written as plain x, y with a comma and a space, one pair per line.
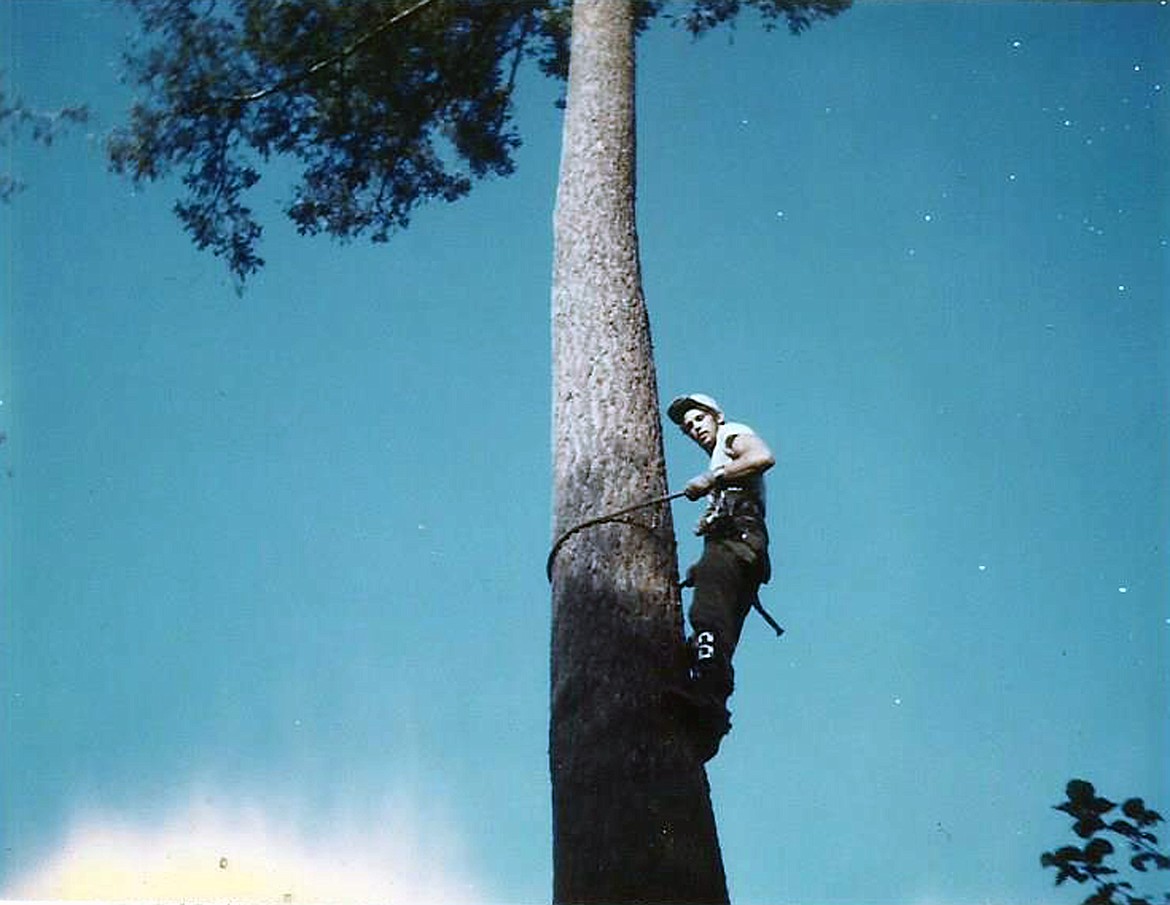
343, 54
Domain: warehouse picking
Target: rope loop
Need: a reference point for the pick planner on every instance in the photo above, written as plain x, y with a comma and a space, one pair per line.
600, 520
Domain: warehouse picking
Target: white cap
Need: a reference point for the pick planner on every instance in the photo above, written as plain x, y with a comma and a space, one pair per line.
684, 404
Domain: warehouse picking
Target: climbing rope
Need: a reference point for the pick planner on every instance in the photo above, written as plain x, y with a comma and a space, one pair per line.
600, 520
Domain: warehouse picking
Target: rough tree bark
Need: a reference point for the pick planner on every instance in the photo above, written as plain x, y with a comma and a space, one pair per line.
632, 818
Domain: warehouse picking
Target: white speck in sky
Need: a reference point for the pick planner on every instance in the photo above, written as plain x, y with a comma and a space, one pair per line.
982, 568
911, 252
897, 702
1067, 123
743, 122
1121, 288
1017, 44
1137, 67
1123, 590
928, 217
1011, 177
422, 527
779, 215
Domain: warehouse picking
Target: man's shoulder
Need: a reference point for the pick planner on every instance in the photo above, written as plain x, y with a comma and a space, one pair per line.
734, 429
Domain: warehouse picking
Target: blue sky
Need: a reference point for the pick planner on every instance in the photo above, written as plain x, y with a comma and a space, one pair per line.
275, 618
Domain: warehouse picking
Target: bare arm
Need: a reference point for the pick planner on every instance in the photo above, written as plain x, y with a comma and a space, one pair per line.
750, 456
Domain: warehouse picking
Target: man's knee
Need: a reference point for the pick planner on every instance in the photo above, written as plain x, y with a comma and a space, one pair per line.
703, 646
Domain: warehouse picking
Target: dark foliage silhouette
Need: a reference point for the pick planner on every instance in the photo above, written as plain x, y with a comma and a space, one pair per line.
1096, 822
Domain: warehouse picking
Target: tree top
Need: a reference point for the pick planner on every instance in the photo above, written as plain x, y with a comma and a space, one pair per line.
383, 104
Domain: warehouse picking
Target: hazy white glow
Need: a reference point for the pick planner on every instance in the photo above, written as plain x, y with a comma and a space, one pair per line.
249, 854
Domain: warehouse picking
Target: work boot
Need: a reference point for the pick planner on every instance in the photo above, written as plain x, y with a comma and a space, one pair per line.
706, 719
704, 699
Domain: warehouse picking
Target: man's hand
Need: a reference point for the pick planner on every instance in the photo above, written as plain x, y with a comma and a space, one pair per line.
700, 485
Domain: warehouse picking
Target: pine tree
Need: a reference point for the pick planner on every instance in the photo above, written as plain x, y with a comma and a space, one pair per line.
386, 105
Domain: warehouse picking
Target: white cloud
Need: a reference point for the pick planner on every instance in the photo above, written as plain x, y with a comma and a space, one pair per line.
205, 851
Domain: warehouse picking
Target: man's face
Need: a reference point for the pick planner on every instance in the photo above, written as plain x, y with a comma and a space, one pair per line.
701, 426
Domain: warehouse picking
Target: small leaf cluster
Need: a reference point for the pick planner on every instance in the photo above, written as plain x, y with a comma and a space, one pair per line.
42, 126
799, 15
1090, 862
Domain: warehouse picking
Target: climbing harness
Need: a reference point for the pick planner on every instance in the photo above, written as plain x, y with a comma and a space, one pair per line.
617, 514
602, 519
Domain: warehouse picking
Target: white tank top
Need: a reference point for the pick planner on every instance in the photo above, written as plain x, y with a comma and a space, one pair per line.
721, 455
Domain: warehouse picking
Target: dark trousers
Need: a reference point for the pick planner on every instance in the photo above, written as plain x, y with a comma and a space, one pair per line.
726, 580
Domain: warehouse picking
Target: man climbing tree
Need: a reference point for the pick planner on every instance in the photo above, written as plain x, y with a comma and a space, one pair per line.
387, 104
735, 560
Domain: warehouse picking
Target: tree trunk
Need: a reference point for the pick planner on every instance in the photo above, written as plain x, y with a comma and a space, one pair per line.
632, 818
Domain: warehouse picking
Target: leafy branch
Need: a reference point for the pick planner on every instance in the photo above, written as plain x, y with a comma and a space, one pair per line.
42, 126
348, 51
379, 105
1090, 863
